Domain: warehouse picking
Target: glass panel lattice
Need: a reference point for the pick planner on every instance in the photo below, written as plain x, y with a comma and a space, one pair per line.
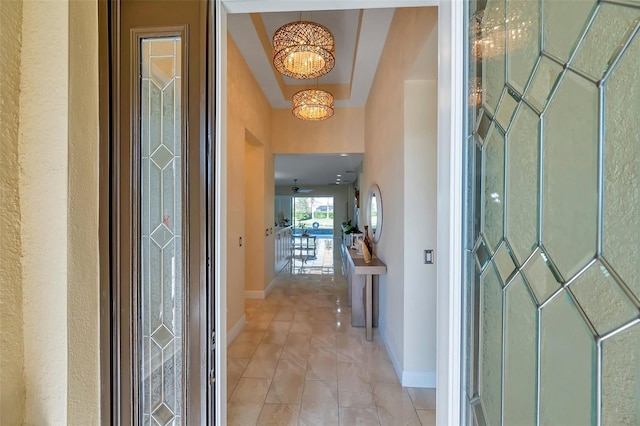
595, 286
622, 168
523, 47
621, 378
540, 278
597, 53
491, 48
570, 175
493, 188
521, 354
522, 182
564, 22
161, 228
567, 365
491, 344
544, 80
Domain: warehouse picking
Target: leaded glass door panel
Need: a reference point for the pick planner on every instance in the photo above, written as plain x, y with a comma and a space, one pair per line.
552, 309
162, 361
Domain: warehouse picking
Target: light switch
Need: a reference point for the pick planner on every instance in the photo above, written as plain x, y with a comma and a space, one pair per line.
428, 257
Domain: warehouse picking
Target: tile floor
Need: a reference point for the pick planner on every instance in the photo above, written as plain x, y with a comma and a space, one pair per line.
299, 361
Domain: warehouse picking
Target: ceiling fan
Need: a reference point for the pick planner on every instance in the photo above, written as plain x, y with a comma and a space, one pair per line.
297, 190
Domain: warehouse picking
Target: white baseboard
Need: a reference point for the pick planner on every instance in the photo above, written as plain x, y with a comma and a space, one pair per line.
259, 294
408, 379
236, 329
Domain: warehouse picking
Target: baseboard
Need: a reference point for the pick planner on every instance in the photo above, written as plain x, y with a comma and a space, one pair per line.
409, 379
236, 329
259, 294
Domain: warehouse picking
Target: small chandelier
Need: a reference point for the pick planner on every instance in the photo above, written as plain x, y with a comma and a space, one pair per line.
312, 104
303, 50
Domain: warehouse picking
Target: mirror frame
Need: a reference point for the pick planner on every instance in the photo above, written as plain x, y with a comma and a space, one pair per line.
375, 190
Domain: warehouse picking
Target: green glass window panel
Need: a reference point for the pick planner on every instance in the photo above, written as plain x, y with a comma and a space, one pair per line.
540, 278
520, 355
522, 182
483, 126
622, 168
544, 80
160, 260
621, 378
507, 107
571, 175
493, 40
612, 27
523, 45
504, 263
602, 299
564, 22
493, 188
491, 345
567, 365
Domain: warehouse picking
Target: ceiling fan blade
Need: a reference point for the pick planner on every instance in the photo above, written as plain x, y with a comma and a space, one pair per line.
304, 191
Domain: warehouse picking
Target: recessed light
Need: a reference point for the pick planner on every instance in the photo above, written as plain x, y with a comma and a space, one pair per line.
344, 155
339, 175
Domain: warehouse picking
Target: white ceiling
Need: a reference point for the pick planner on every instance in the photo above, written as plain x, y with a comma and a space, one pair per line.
359, 36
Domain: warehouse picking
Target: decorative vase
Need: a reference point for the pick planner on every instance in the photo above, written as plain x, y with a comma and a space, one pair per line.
366, 254
367, 241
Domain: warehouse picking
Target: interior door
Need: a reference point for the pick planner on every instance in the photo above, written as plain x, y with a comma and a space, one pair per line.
162, 340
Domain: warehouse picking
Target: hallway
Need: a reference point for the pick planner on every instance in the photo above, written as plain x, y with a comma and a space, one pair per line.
299, 361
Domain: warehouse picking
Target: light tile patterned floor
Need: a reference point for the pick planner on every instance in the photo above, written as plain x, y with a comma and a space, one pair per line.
299, 361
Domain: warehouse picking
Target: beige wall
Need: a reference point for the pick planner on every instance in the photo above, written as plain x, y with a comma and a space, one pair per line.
384, 161
52, 141
12, 384
344, 132
248, 130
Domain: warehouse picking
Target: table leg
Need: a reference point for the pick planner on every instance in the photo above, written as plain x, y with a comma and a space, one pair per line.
368, 306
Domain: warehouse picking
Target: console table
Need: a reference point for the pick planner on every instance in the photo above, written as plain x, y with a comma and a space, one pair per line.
357, 266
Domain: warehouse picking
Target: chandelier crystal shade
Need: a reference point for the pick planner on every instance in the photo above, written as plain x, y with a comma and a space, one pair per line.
312, 104
303, 50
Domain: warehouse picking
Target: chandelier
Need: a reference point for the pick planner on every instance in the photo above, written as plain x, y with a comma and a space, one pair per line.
303, 50
312, 104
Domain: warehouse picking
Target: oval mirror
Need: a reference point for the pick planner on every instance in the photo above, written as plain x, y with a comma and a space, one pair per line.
374, 213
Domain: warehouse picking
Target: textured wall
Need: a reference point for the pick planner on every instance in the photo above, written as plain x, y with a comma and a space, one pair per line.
82, 261
43, 203
12, 386
384, 161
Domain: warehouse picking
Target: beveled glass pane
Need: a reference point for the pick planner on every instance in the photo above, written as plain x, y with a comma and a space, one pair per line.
522, 182
520, 355
493, 41
491, 345
602, 300
571, 175
540, 277
621, 378
564, 22
544, 80
482, 255
567, 365
493, 193
483, 126
597, 53
507, 107
160, 259
504, 263
523, 46
622, 168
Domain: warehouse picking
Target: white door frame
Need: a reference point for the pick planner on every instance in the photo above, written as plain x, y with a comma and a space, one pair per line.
450, 137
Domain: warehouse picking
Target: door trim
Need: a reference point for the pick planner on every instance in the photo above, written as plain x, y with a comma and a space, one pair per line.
110, 81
